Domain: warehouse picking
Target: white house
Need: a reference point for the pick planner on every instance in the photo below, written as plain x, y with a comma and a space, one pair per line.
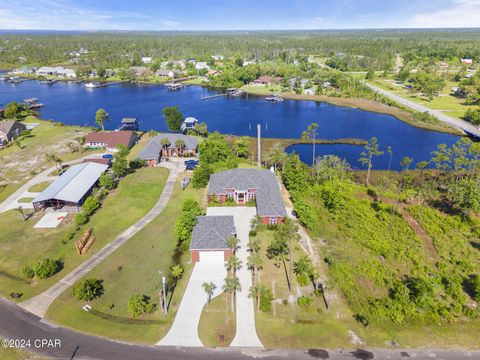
467, 61
309, 91
218, 57
249, 62
45, 70
165, 73
146, 60
188, 123
58, 71
202, 65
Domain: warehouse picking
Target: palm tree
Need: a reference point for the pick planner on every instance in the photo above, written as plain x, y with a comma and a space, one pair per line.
254, 245
176, 271
180, 145
231, 286
256, 292
232, 243
55, 159
20, 211
371, 150
165, 143
209, 287
255, 263
288, 232
100, 117
311, 134
233, 264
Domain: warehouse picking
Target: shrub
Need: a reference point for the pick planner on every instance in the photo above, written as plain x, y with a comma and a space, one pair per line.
81, 218
106, 181
27, 272
88, 289
46, 267
304, 302
201, 175
266, 298
252, 233
140, 304
90, 205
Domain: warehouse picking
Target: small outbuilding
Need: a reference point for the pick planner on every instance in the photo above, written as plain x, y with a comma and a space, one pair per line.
209, 238
9, 130
71, 189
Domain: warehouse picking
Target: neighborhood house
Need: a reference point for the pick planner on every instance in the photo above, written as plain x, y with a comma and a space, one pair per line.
109, 140
244, 185
165, 73
71, 189
155, 150
209, 237
267, 80
9, 130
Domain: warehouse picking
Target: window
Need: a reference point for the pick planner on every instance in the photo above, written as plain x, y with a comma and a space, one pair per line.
272, 221
230, 194
251, 195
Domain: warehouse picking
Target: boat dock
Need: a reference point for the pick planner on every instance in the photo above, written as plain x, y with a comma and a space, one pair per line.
33, 103
206, 97
174, 86
94, 85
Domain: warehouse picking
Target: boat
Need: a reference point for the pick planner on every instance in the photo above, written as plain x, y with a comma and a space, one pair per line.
274, 98
48, 81
91, 85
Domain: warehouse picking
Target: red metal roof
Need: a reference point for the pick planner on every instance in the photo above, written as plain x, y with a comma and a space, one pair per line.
111, 138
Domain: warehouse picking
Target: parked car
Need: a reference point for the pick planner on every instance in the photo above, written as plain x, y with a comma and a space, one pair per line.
107, 156
191, 162
191, 166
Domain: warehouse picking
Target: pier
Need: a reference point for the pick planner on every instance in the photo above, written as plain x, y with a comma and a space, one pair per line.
174, 86
206, 97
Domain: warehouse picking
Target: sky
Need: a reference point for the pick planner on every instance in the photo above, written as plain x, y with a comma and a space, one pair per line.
236, 14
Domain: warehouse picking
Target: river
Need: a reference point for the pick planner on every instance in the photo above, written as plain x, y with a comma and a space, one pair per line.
74, 104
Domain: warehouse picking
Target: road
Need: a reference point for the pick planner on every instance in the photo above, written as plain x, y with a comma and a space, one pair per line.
16, 323
40, 303
456, 123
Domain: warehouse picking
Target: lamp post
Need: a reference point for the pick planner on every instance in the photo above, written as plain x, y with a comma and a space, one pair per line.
163, 291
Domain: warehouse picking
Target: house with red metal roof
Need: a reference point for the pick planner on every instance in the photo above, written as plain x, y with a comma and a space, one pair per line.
110, 140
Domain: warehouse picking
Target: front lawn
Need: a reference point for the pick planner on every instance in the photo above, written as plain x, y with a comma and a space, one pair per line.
21, 244
133, 268
217, 322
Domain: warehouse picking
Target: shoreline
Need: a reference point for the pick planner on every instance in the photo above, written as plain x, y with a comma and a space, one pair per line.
366, 105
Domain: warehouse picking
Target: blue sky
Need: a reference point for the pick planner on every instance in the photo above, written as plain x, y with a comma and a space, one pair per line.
236, 14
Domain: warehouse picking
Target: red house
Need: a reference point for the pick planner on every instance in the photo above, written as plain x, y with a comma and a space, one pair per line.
267, 80
110, 140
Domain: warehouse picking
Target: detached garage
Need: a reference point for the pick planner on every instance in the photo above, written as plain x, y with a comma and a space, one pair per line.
209, 238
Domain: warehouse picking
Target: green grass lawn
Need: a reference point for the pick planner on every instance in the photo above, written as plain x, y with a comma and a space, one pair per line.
21, 164
25, 200
452, 105
22, 245
217, 320
290, 326
40, 186
132, 269
16, 354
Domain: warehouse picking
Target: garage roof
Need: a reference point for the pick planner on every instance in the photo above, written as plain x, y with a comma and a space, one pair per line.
74, 183
212, 232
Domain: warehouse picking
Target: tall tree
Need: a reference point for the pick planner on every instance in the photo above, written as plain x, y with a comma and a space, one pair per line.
209, 287
371, 150
288, 233
173, 118
231, 286
255, 263
311, 134
101, 116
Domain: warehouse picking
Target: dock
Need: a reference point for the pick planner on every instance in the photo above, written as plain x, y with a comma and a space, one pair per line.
174, 86
95, 85
206, 97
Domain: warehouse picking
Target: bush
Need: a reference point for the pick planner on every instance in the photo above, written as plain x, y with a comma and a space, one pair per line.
266, 298
27, 272
140, 304
90, 205
252, 233
201, 175
88, 289
304, 301
81, 218
106, 181
46, 267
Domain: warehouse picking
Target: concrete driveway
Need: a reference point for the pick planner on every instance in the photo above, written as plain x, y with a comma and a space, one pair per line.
184, 330
246, 333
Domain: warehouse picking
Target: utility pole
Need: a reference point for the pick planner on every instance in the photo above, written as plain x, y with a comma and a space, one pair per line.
259, 145
164, 296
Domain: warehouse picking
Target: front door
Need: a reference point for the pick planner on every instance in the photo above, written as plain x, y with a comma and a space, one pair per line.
240, 198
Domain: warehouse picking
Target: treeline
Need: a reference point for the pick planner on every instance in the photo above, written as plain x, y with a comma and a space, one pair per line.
354, 49
387, 270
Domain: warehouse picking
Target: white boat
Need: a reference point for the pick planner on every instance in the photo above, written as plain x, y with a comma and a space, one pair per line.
91, 85
274, 98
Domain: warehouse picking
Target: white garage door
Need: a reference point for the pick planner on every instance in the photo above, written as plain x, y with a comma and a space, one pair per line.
211, 257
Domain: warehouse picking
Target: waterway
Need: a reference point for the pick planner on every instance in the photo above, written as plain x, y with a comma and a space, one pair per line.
72, 103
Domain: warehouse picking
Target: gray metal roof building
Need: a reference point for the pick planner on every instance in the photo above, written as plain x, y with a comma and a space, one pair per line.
212, 232
72, 187
153, 148
268, 197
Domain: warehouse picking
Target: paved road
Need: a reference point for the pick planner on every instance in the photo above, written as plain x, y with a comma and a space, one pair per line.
16, 323
246, 333
456, 123
40, 303
184, 330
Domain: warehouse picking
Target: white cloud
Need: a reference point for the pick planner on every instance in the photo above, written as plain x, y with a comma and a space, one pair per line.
460, 13
63, 15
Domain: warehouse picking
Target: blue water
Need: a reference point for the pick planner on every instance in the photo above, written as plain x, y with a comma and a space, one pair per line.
75, 104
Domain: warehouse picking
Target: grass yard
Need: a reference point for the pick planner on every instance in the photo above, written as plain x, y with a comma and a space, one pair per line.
217, 320
16, 354
132, 269
134, 197
26, 200
40, 186
21, 164
452, 105
290, 326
